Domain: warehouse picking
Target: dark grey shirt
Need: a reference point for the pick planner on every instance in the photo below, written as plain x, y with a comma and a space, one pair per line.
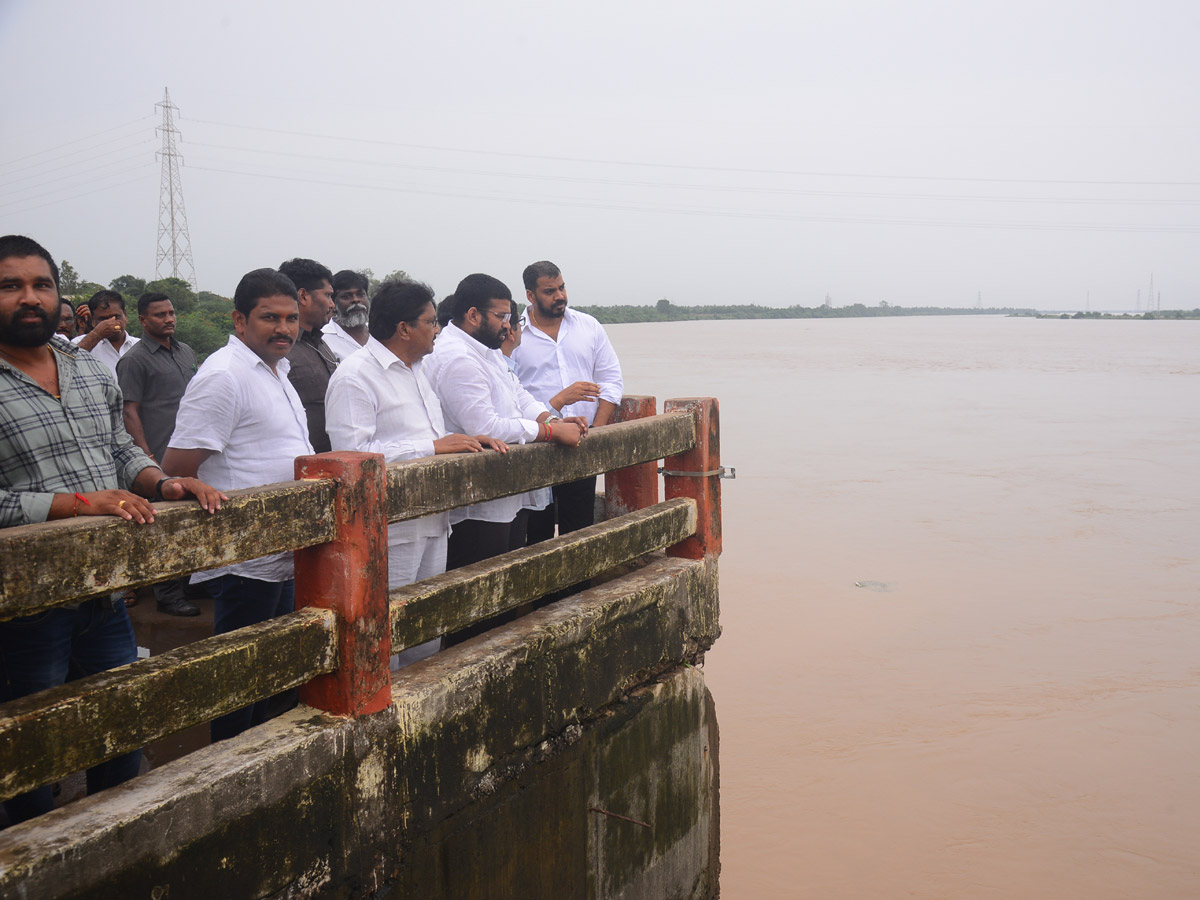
312, 364
155, 378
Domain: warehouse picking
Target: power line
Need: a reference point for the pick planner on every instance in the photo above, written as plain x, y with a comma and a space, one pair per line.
89, 138
139, 167
107, 187
691, 168
39, 185
584, 203
772, 191
91, 157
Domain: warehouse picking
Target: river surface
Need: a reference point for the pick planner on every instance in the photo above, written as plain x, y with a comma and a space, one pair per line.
960, 596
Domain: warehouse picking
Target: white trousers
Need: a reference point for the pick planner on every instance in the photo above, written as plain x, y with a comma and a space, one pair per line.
408, 562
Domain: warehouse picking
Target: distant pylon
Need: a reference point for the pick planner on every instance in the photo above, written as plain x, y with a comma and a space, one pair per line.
174, 242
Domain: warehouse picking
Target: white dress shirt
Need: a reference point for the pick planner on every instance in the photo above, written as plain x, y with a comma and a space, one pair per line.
339, 340
254, 420
106, 353
478, 397
542, 497
581, 353
376, 403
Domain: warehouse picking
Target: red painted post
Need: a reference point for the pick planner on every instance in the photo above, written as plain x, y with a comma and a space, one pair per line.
349, 575
637, 486
705, 486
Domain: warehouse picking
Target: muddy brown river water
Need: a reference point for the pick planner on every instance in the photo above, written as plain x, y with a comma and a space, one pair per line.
960, 599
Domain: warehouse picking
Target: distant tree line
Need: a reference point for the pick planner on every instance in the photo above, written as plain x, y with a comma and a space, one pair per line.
666, 311
1151, 314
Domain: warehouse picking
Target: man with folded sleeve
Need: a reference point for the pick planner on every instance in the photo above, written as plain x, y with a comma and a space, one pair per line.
241, 424
472, 382
565, 357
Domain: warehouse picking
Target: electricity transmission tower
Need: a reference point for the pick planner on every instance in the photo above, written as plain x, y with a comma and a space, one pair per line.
174, 243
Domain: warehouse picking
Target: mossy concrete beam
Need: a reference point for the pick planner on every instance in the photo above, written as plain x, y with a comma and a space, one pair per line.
309, 805
47, 736
462, 713
449, 602
57, 562
438, 483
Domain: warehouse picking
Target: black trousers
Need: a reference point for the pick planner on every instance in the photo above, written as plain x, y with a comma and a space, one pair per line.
574, 507
470, 542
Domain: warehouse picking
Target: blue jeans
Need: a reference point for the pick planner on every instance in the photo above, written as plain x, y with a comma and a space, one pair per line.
60, 645
237, 602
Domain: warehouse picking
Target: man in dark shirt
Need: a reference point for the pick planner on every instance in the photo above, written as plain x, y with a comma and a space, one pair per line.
153, 376
312, 362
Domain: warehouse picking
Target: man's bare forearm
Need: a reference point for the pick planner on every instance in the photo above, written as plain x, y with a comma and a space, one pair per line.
133, 424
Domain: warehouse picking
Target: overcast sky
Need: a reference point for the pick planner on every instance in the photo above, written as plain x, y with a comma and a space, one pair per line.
919, 153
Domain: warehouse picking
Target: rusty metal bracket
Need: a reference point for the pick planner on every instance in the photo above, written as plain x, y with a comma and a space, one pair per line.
723, 472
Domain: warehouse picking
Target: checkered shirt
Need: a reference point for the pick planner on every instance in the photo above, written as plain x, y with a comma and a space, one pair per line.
54, 446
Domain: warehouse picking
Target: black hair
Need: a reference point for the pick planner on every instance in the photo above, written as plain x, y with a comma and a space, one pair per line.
258, 284
105, 298
348, 279
18, 245
306, 274
445, 310
534, 271
395, 302
147, 298
476, 292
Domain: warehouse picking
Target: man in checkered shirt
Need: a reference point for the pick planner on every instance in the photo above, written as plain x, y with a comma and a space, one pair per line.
64, 452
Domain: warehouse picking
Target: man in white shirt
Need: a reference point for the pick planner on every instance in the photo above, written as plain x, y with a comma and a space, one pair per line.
241, 424
347, 331
472, 381
379, 401
566, 360
109, 338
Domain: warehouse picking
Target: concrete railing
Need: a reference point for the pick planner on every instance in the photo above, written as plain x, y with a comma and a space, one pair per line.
337, 644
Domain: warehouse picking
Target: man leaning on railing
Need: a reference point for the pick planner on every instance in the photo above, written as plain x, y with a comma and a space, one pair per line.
64, 452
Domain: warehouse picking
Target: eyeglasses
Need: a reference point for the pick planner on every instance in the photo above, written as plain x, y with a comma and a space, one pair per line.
503, 317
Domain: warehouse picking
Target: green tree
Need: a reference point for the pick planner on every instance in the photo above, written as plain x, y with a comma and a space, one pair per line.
209, 300
68, 280
85, 289
183, 298
129, 285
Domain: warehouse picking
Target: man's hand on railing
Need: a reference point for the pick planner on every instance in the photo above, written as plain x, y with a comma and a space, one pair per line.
207, 495
566, 432
124, 504
463, 443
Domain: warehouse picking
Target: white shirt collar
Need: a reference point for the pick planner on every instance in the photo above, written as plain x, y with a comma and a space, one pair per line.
250, 358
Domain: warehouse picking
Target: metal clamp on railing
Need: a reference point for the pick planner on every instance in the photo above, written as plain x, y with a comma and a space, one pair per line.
728, 474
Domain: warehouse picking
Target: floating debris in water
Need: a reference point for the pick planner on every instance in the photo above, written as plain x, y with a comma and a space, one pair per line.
881, 586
